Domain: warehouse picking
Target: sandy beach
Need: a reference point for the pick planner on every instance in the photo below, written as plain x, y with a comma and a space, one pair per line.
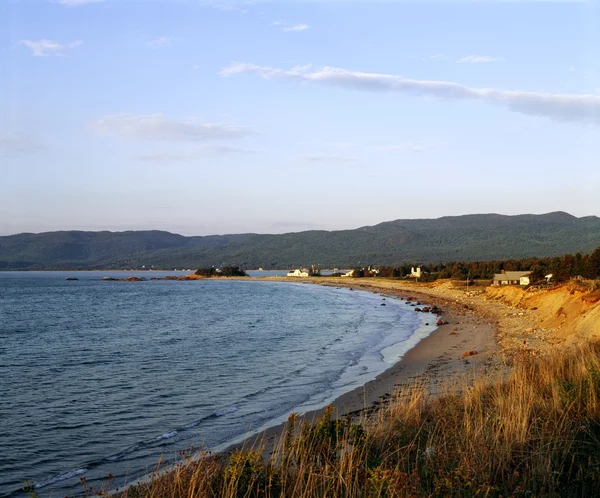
488, 329
464, 348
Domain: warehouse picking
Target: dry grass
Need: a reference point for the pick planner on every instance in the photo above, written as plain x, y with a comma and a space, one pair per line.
536, 433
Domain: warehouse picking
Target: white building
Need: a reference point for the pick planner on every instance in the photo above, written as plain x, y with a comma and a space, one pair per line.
348, 274
512, 278
415, 273
297, 273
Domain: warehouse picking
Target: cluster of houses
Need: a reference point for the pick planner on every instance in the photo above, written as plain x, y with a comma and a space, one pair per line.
503, 278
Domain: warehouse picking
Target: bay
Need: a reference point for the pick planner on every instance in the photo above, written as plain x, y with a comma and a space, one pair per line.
102, 377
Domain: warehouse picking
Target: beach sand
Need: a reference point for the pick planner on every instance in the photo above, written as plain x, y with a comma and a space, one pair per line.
463, 349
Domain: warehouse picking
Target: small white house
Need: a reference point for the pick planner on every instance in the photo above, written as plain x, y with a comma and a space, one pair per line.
348, 274
512, 278
415, 273
297, 273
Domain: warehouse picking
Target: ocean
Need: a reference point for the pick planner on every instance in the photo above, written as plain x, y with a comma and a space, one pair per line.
100, 377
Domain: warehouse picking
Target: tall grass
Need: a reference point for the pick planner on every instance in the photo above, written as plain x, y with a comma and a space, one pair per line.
535, 433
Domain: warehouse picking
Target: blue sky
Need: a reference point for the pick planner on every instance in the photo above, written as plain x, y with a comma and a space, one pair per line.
203, 117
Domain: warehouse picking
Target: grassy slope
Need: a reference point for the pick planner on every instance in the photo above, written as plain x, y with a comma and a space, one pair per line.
535, 434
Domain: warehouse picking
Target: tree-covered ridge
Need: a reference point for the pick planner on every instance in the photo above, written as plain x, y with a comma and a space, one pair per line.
482, 237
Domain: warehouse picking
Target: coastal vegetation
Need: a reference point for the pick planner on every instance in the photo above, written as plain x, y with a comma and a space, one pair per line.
562, 268
226, 271
455, 238
533, 433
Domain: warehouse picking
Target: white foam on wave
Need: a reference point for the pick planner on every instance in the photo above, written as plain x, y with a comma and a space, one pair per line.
226, 411
408, 332
167, 435
60, 477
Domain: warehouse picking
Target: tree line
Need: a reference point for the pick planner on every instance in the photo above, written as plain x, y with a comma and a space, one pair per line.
561, 267
226, 271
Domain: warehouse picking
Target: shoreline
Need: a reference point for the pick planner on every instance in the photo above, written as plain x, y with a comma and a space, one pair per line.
434, 362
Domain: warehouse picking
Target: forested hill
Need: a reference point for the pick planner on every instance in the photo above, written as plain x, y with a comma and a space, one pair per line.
452, 238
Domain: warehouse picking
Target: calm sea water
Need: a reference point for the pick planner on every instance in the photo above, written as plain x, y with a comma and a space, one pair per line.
101, 377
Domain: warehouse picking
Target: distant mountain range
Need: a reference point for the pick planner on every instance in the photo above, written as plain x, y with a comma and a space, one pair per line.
451, 238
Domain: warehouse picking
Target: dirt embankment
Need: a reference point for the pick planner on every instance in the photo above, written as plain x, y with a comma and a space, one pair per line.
532, 321
567, 315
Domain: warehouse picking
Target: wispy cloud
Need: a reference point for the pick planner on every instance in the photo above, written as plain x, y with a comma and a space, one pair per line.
163, 41
77, 3
327, 157
43, 47
13, 142
284, 26
584, 108
202, 152
159, 127
232, 8
478, 59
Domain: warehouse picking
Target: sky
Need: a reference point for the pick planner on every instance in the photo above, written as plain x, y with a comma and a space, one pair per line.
208, 117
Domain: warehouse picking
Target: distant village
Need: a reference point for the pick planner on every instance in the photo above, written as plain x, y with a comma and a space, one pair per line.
520, 278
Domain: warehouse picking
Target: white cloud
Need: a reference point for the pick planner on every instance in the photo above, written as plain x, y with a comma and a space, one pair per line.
159, 127
231, 8
77, 3
163, 41
327, 157
284, 26
43, 47
12, 142
478, 59
583, 108
208, 150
